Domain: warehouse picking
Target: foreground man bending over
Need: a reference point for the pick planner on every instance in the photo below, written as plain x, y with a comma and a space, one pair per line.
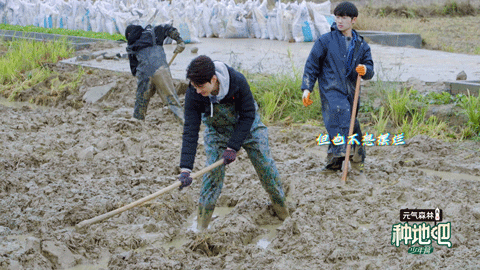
221, 98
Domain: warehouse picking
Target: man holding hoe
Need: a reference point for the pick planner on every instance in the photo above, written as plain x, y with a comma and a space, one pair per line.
335, 60
220, 97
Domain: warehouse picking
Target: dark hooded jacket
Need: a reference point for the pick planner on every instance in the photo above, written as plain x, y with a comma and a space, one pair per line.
238, 94
139, 38
326, 63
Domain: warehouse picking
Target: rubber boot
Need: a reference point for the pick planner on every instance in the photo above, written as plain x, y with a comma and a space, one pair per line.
142, 100
334, 164
204, 218
357, 161
164, 85
165, 88
178, 111
281, 211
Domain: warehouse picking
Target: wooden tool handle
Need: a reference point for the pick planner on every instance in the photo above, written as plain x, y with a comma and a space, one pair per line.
173, 57
350, 131
145, 199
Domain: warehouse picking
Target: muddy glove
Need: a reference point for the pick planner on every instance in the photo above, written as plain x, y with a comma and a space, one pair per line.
229, 156
361, 70
306, 98
180, 47
185, 179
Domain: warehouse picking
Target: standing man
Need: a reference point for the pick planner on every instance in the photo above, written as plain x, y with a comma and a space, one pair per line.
149, 64
335, 60
221, 98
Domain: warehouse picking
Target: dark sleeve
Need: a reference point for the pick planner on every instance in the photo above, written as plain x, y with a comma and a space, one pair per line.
368, 62
132, 34
133, 63
313, 66
245, 105
173, 33
193, 118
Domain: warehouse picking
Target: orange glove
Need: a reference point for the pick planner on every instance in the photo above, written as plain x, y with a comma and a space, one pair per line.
361, 70
306, 98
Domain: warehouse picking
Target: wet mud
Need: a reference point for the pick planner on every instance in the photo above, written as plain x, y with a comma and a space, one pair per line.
60, 166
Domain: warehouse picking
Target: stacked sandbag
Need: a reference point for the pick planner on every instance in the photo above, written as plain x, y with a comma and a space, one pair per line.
301, 22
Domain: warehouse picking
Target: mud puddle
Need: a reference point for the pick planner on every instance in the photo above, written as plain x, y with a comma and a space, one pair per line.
320, 152
19, 104
362, 227
450, 175
19, 238
190, 225
102, 264
265, 240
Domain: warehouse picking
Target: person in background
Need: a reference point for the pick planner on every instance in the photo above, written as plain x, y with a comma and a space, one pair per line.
335, 61
149, 64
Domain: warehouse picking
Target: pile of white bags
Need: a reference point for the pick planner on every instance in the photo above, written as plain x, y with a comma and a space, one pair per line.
302, 22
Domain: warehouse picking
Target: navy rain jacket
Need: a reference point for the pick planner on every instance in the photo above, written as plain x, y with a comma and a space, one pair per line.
326, 63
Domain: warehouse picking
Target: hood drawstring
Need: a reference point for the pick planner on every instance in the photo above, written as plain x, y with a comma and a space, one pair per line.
213, 99
221, 71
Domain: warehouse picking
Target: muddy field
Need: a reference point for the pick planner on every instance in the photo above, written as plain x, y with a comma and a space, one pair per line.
60, 166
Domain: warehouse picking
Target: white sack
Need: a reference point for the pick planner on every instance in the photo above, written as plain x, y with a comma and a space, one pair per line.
303, 29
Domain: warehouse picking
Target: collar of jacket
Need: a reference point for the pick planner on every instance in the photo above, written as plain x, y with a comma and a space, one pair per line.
335, 28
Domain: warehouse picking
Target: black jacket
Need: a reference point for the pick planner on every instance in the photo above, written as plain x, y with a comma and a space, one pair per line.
195, 104
139, 38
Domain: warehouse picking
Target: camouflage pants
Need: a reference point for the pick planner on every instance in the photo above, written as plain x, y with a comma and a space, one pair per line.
218, 132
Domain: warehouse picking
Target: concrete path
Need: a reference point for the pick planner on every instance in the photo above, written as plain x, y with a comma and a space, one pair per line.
273, 56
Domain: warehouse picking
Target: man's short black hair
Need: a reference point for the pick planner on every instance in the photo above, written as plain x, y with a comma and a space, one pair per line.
346, 9
201, 70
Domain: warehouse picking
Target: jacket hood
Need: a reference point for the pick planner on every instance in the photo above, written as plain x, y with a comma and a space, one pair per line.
133, 33
221, 71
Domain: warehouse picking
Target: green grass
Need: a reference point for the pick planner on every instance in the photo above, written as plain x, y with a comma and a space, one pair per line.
440, 98
471, 105
437, 98
22, 56
59, 87
280, 98
417, 124
399, 104
62, 31
381, 120
24, 65
402, 110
